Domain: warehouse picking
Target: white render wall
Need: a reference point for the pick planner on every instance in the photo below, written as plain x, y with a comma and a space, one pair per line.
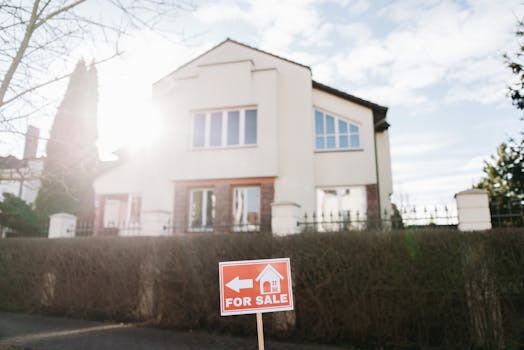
235, 76
385, 180
344, 168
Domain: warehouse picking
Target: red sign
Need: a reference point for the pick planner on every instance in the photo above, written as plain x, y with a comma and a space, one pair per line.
252, 286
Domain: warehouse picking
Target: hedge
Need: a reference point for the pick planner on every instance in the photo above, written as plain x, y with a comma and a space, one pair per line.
404, 289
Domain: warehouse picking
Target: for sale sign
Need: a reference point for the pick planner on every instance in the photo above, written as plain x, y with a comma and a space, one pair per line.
255, 286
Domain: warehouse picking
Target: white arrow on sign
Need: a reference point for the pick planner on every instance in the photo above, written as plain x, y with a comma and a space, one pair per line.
237, 284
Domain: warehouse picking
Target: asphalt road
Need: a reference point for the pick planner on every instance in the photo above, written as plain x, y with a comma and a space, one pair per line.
53, 333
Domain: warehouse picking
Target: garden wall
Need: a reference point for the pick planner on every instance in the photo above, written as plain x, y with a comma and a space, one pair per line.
405, 289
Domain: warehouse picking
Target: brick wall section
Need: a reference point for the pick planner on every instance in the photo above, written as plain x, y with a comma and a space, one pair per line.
372, 200
267, 195
181, 208
223, 205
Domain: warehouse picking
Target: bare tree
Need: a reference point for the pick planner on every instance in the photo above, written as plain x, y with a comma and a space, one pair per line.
36, 33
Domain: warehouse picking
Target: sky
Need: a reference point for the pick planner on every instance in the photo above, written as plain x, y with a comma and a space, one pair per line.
437, 66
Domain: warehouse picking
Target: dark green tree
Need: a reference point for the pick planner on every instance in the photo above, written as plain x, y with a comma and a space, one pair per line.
504, 175
71, 154
515, 62
19, 217
504, 172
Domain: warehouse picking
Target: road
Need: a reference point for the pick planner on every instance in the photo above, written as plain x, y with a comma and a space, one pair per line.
54, 333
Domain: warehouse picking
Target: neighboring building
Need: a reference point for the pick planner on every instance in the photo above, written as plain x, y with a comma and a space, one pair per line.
21, 177
245, 129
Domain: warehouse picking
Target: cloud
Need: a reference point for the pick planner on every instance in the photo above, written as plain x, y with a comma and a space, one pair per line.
430, 43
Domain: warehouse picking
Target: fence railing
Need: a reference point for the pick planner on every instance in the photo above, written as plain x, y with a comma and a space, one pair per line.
347, 220
510, 214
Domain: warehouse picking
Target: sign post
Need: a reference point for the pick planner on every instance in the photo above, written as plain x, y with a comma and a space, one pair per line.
255, 287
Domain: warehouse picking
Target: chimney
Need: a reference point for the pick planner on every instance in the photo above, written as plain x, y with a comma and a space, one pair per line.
31, 142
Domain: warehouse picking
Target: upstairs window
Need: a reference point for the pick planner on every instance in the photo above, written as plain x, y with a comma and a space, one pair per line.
227, 128
332, 133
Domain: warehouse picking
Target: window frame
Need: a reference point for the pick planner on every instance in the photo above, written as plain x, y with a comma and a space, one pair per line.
224, 138
337, 134
245, 226
203, 213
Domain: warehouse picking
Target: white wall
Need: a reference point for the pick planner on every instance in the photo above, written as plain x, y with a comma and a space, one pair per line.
233, 75
352, 167
384, 167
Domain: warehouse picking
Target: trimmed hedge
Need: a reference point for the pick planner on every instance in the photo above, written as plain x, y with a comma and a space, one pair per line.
405, 289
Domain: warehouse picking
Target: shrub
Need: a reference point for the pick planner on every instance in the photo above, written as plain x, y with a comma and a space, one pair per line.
400, 289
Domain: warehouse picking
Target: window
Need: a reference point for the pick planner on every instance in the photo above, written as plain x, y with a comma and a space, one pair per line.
335, 133
246, 209
338, 204
202, 210
225, 128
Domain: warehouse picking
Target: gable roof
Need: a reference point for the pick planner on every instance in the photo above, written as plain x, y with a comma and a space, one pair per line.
269, 269
234, 42
379, 112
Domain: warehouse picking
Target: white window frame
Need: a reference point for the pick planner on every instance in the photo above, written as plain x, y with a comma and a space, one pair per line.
204, 210
337, 133
224, 115
245, 226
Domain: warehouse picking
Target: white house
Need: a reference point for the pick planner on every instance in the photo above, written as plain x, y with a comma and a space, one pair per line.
245, 129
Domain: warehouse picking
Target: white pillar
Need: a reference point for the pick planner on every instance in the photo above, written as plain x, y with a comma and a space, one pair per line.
473, 210
156, 223
62, 225
285, 217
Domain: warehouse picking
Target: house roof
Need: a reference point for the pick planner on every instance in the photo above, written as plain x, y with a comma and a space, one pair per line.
269, 269
379, 112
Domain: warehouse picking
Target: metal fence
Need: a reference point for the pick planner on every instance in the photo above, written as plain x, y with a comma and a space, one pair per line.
510, 214
438, 216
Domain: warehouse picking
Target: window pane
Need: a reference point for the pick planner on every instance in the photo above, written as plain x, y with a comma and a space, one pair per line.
330, 142
199, 131
233, 127
330, 124
353, 128
210, 209
319, 143
342, 127
253, 205
246, 208
216, 129
196, 209
251, 127
355, 141
319, 123
343, 141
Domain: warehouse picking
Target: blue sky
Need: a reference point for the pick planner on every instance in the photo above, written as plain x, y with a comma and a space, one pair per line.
436, 64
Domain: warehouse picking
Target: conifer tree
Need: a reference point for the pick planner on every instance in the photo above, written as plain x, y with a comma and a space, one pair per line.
71, 154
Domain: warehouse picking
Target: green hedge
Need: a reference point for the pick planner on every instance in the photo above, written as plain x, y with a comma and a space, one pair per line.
406, 289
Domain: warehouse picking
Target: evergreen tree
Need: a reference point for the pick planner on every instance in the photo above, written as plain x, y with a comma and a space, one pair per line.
515, 63
19, 216
504, 176
71, 154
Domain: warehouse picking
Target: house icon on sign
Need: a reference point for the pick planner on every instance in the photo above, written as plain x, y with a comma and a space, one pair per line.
269, 280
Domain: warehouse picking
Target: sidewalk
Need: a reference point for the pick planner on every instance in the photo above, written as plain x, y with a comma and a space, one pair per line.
53, 333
